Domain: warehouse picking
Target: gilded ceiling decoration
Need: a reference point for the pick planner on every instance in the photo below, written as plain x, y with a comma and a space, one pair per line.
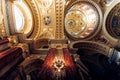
47, 20
45, 3
36, 19
82, 19
60, 5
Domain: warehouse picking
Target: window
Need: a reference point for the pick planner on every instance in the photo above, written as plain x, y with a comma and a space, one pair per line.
19, 19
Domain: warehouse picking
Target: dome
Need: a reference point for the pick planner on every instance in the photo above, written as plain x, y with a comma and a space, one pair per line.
81, 20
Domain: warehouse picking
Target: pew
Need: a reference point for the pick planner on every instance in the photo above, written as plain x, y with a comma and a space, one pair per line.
9, 55
9, 59
4, 45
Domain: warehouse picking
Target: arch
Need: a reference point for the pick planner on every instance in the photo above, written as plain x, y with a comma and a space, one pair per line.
23, 14
31, 63
91, 46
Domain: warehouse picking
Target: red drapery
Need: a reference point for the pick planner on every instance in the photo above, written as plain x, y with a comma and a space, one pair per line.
46, 71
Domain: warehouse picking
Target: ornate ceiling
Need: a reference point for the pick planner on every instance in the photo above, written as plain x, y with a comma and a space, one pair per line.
86, 19
91, 20
61, 26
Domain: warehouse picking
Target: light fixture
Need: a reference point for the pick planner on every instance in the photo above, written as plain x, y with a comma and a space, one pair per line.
58, 65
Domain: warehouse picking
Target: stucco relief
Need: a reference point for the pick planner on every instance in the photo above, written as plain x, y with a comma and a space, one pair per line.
45, 3
47, 34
